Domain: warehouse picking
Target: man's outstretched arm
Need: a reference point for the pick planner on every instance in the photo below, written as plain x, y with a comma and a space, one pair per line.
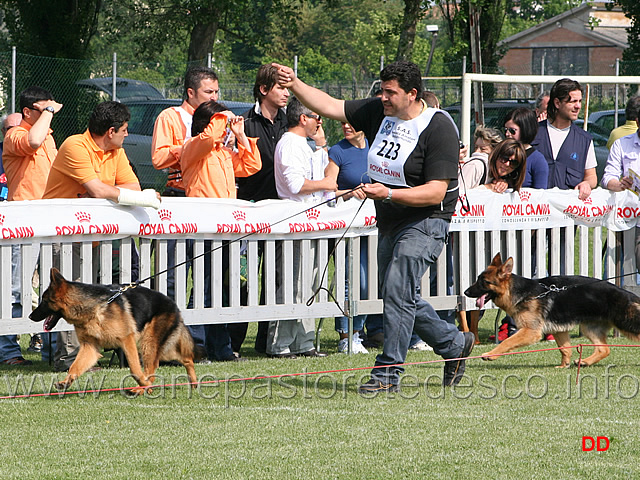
320, 102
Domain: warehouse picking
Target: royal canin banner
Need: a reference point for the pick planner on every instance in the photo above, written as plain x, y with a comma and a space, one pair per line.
482, 210
478, 209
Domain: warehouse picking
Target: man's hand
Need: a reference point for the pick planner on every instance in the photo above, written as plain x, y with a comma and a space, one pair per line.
286, 75
319, 137
584, 190
40, 106
376, 191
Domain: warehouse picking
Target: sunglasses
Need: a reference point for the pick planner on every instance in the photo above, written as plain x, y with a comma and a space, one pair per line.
510, 130
508, 161
317, 118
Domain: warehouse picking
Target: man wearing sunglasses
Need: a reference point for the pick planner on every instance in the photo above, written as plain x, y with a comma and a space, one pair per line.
414, 161
28, 153
568, 149
299, 173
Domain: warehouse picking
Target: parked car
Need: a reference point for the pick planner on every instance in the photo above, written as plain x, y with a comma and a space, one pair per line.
138, 143
606, 119
494, 112
145, 103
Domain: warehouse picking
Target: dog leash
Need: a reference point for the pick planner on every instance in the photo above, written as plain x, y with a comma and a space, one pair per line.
124, 288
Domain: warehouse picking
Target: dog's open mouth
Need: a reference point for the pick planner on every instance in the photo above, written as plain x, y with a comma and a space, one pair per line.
50, 322
482, 300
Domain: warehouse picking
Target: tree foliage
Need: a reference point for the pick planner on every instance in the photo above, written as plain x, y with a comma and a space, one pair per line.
631, 8
51, 28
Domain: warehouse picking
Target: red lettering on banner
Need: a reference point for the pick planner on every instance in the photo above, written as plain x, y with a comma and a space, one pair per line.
257, 228
151, 229
108, 228
18, 232
183, 228
474, 211
369, 221
228, 228
628, 212
70, 230
332, 225
300, 227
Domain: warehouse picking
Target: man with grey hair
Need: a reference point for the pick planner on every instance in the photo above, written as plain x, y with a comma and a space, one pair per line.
541, 105
299, 173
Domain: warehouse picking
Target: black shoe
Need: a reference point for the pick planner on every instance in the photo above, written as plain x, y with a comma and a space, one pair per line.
454, 369
375, 386
312, 353
234, 357
282, 355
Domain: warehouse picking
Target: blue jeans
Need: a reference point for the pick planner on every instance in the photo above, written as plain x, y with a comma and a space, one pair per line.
9, 347
215, 337
403, 259
342, 323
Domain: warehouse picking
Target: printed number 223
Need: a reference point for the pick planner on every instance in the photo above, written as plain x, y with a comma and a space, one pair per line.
391, 152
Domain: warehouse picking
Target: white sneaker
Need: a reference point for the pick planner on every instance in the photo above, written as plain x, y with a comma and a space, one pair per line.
421, 346
356, 346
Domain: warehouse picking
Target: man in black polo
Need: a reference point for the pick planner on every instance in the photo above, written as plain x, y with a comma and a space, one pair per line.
413, 161
267, 121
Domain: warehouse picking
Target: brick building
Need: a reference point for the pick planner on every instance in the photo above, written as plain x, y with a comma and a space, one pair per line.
585, 40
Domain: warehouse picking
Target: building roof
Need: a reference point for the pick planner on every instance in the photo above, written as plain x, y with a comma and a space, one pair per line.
610, 30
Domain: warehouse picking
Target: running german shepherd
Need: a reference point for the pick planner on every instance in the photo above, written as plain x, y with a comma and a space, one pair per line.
138, 315
556, 305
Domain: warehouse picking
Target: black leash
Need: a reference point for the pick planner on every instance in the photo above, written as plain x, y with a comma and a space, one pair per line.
229, 242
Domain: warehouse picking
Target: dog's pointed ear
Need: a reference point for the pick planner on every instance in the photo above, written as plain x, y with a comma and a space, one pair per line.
497, 260
507, 267
56, 277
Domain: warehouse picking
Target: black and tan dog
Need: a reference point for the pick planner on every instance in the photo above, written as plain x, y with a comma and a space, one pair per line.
556, 305
137, 316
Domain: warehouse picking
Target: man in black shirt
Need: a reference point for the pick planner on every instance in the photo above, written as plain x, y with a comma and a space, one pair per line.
413, 161
267, 121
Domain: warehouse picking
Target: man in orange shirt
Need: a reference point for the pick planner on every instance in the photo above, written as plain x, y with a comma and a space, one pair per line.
28, 152
94, 164
173, 125
170, 132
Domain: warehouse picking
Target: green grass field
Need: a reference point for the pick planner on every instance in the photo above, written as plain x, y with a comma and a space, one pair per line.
517, 417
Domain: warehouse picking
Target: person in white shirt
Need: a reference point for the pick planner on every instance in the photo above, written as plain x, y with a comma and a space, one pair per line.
299, 173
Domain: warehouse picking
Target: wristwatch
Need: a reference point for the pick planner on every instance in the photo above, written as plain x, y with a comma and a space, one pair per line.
49, 109
388, 199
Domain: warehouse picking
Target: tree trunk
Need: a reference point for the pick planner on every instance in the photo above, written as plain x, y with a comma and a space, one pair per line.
201, 41
412, 14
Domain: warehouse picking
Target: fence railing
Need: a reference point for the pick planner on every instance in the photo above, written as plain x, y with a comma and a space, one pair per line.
90, 240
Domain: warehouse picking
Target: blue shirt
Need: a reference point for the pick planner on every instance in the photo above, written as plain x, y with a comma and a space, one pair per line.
537, 174
352, 162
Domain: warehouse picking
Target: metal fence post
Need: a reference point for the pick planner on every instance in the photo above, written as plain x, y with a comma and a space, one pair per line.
13, 79
114, 75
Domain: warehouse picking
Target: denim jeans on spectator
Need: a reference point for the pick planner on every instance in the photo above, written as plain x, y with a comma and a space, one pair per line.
403, 258
214, 337
9, 346
342, 323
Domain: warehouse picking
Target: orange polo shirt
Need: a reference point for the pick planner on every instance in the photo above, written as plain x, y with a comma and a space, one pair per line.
26, 168
209, 169
80, 160
169, 133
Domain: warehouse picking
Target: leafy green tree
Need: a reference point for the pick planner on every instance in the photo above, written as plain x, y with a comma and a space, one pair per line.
51, 28
631, 8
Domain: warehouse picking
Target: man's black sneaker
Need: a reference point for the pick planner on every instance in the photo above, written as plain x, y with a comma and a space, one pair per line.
375, 386
454, 369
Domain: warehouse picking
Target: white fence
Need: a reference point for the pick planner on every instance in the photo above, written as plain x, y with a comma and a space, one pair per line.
85, 230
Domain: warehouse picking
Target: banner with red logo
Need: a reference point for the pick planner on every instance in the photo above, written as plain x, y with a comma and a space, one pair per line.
479, 209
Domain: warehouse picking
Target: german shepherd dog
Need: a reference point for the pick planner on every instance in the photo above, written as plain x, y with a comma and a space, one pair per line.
556, 305
137, 316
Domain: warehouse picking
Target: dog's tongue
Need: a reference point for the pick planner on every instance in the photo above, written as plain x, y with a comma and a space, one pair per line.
47, 323
480, 301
